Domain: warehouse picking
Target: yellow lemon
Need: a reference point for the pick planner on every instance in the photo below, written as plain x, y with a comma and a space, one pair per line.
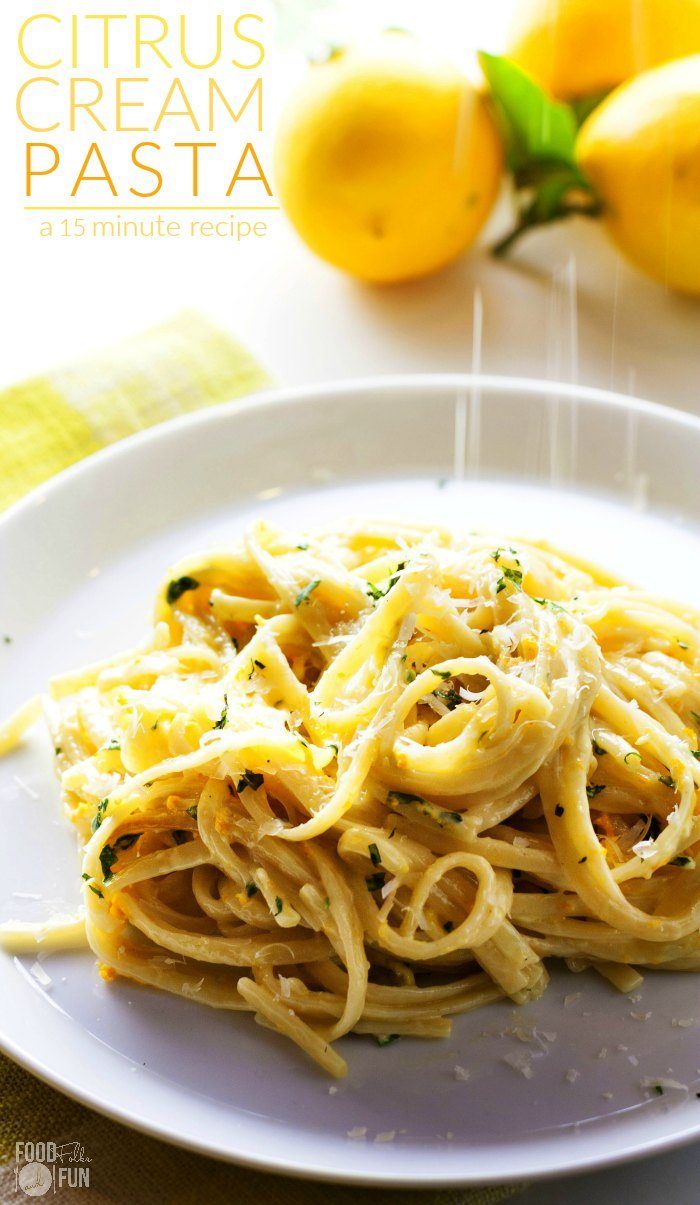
575, 48
641, 150
387, 161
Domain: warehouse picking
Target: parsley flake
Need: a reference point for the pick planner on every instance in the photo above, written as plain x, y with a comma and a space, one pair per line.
377, 592
99, 815
303, 595
249, 779
178, 587
221, 722
402, 797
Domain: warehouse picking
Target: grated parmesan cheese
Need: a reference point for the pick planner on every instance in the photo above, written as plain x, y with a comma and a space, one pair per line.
520, 1061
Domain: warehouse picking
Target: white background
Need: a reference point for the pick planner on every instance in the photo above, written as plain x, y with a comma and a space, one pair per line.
565, 306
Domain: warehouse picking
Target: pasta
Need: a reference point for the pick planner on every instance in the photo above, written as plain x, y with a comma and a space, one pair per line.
372, 779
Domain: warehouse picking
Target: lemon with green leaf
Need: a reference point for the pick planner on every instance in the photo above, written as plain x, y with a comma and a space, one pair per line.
641, 153
634, 163
387, 160
582, 48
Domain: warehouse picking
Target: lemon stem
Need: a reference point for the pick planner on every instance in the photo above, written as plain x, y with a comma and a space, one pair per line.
529, 220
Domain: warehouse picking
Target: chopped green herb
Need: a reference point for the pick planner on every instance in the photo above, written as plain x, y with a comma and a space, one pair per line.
303, 595
250, 779
374, 854
302, 547
598, 749
385, 1039
259, 664
250, 890
549, 602
278, 905
95, 890
682, 860
221, 722
327, 902
108, 856
192, 811
667, 781
559, 811
110, 853
7, 640
57, 750
86, 877
453, 817
658, 1090
695, 716
335, 749
113, 744
180, 835
377, 592
411, 676
632, 753
498, 553
500, 585
515, 576
127, 840
403, 797
594, 789
180, 586
154, 726
582, 860
375, 881
99, 815
443, 673
449, 697
696, 754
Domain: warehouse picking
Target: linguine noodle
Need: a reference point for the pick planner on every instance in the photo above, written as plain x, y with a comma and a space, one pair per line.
371, 780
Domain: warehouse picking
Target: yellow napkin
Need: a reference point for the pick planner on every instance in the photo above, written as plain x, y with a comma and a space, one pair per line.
46, 424
49, 422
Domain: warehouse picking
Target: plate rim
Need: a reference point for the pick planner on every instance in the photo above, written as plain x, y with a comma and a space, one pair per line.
291, 395
302, 1167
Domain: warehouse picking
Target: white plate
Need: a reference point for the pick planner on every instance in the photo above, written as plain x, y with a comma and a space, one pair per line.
608, 477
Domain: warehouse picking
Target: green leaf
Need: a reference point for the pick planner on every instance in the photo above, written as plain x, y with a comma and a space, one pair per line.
535, 126
540, 138
304, 594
